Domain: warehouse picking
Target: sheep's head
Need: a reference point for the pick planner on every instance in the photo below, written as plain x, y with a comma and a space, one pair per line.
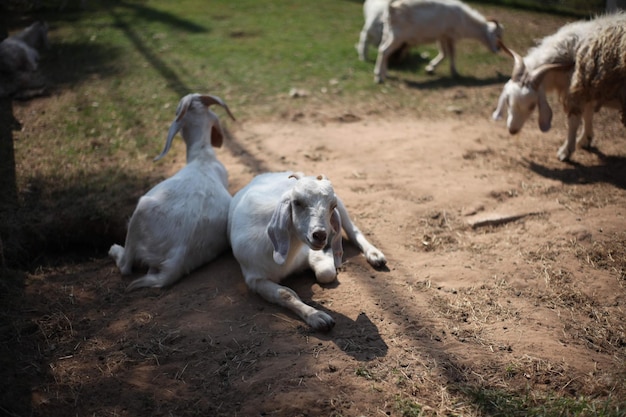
523, 93
309, 209
193, 114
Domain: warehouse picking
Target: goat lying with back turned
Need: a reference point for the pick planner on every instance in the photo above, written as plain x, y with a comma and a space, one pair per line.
180, 224
284, 222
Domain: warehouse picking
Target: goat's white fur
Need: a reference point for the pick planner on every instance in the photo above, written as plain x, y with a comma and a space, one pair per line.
284, 222
372, 31
19, 58
416, 22
581, 62
180, 224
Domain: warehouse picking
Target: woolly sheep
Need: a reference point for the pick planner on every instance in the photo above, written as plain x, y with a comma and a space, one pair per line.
19, 59
584, 63
415, 22
284, 222
180, 224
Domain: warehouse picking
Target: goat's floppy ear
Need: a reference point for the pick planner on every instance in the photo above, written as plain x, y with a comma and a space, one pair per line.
176, 125
545, 112
278, 230
336, 243
217, 135
208, 100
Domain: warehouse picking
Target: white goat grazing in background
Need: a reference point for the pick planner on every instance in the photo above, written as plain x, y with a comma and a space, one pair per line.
584, 63
284, 222
416, 22
19, 59
180, 224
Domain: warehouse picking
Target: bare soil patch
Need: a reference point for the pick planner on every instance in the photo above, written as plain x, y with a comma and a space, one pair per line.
506, 275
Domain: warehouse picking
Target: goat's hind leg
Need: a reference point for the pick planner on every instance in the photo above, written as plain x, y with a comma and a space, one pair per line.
164, 275
288, 298
123, 259
430, 68
386, 48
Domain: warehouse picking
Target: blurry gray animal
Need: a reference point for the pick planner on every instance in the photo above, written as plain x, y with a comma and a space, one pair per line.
19, 62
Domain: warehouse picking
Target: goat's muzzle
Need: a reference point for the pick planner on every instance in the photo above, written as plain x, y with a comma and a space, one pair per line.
318, 239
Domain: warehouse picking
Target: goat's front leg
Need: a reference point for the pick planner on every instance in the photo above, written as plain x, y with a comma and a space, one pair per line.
569, 146
322, 262
586, 135
288, 298
373, 255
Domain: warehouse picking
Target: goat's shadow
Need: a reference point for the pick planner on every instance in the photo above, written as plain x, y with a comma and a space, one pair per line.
443, 82
358, 338
415, 62
610, 170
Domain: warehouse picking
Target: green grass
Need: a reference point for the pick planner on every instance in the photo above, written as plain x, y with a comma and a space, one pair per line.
498, 403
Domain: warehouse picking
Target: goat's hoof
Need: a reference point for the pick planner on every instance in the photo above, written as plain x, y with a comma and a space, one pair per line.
376, 258
585, 143
321, 321
563, 154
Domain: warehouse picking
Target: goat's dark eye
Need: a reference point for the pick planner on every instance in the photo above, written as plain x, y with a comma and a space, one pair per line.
297, 203
532, 107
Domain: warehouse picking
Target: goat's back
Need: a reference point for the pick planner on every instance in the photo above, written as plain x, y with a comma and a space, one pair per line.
430, 18
188, 210
255, 203
601, 62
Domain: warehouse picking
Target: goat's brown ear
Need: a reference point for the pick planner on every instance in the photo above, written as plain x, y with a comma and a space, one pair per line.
217, 136
209, 100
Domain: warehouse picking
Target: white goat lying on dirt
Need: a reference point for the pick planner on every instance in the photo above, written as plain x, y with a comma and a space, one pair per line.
284, 222
19, 59
415, 22
180, 224
583, 62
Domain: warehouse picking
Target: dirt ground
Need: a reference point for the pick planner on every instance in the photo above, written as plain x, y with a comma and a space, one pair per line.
505, 279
